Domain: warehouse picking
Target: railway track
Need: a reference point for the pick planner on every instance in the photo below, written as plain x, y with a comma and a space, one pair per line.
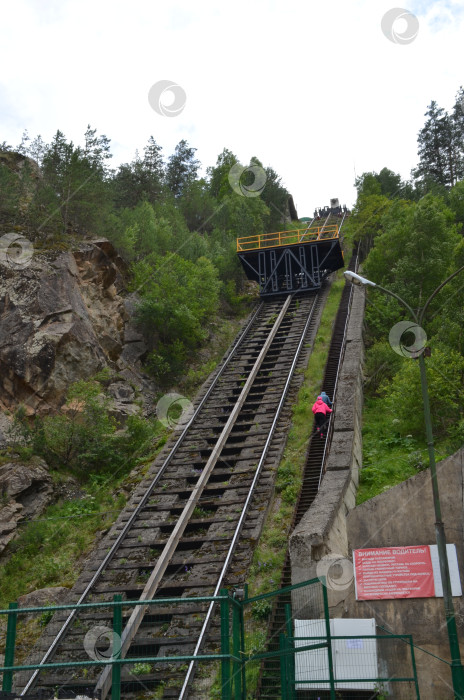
190, 527
269, 684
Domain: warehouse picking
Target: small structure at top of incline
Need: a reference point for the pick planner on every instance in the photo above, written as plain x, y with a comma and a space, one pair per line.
291, 261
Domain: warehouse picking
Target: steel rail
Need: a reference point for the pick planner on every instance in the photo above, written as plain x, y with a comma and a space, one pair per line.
307, 229
249, 498
142, 503
133, 624
325, 223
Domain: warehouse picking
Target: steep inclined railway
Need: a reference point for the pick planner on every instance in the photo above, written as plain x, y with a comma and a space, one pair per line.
269, 685
189, 528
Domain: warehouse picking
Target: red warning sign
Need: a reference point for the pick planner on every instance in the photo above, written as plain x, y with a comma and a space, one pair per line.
393, 572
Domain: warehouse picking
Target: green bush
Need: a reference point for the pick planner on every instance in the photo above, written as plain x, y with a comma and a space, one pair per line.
84, 438
261, 609
141, 669
179, 298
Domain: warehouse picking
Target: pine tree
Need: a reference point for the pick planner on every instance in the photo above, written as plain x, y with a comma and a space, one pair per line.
37, 150
96, 150
141, 180
440, 149
457, 117
182, 168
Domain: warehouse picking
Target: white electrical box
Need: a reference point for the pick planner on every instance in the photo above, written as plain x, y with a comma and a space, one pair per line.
352, 658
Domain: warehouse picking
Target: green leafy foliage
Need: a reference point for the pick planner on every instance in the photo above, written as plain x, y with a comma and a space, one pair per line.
61, 535
415, 249
141, 669
441, 150
84, 437
261, 609
178, 298
445, 374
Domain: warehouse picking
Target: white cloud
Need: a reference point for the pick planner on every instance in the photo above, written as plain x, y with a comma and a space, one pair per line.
315, 90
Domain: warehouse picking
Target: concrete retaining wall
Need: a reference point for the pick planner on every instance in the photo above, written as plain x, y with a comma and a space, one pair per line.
404, 515
322, 532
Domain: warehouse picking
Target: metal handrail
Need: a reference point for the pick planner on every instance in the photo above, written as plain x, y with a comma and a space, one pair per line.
293, 237
340, 361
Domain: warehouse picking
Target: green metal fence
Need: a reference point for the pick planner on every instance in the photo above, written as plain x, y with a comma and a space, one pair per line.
259, 652
355, 674
279, 664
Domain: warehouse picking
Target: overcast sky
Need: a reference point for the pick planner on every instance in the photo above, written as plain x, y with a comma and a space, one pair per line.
315, 90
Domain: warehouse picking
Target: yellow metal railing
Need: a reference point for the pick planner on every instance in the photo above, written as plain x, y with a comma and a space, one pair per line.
273, 240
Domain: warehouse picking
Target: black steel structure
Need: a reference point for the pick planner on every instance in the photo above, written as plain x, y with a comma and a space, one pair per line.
291, 262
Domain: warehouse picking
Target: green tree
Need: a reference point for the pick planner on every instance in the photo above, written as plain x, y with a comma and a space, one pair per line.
456, 201
366, 220
182, 168
440, 149
368, 184
457, 116
275, 196
391, 184
78, 180
445, 373
219, 175
140, 180
37, 149
178, 299
414, 253
96, 150
198, 206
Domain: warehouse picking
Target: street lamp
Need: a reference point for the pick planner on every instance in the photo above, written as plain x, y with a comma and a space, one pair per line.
457, 669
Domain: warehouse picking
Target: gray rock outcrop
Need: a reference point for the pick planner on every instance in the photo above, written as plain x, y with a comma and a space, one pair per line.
25, 491
44, 596
63, 319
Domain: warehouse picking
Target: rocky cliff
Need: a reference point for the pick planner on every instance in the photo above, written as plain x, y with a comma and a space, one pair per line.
63, 318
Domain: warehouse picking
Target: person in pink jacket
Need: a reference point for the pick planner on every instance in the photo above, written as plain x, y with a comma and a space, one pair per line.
321, 411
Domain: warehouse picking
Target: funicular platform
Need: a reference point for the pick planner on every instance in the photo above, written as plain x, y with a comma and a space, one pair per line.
291, 261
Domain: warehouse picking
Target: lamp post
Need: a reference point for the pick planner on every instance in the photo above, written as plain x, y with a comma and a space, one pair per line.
457, 669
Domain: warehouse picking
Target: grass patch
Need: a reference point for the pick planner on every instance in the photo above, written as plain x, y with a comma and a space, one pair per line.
390, 455
47, 550
50, 550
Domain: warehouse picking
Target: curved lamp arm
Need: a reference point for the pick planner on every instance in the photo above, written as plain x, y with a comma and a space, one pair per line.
402, 301
421, 315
